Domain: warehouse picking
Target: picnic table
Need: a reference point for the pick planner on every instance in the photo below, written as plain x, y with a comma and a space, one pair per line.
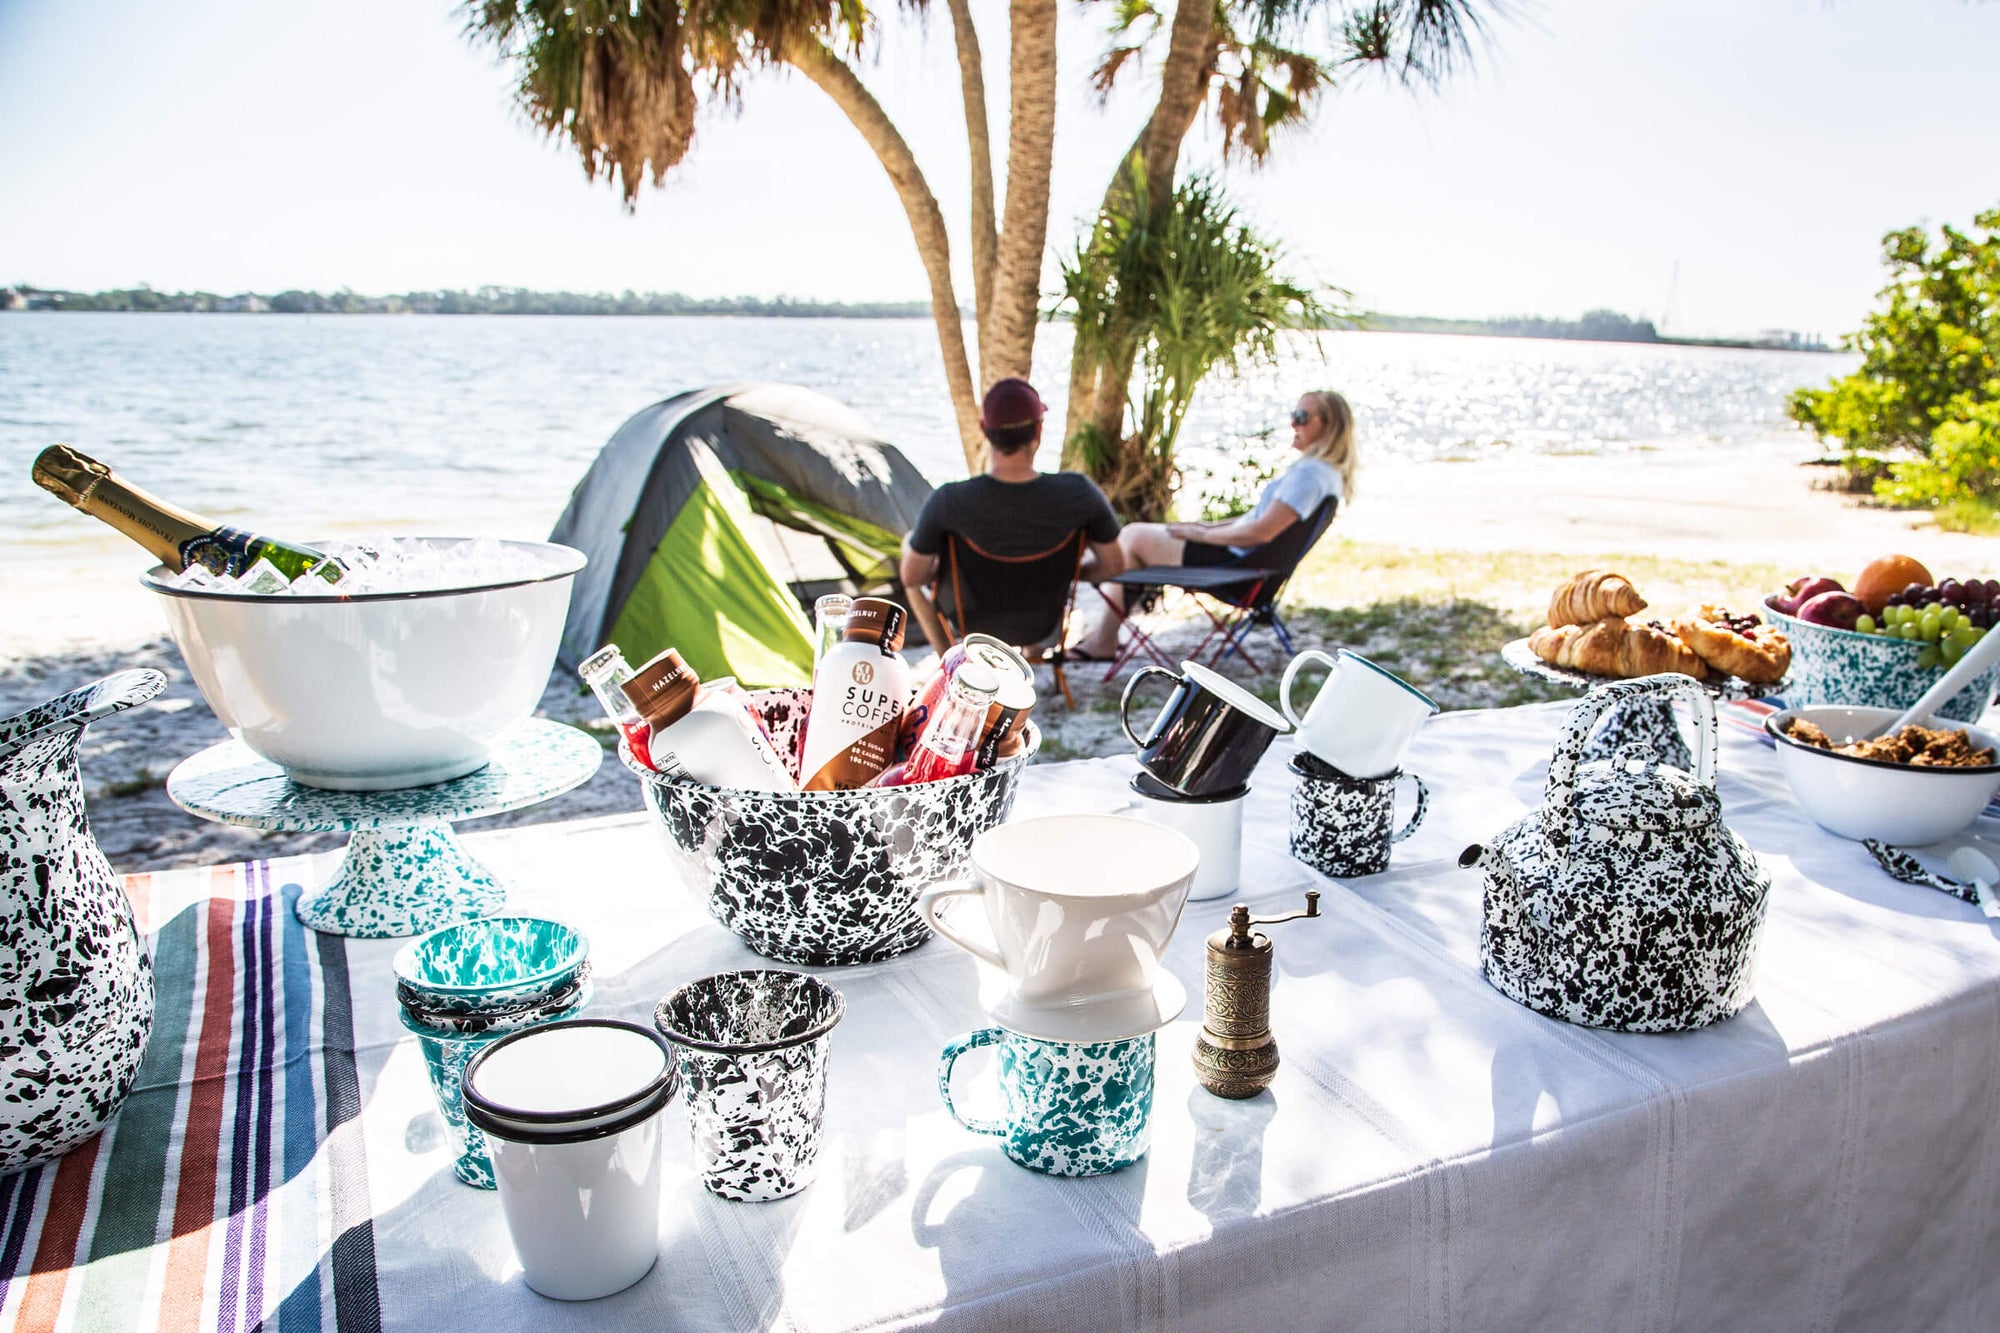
1431, 1155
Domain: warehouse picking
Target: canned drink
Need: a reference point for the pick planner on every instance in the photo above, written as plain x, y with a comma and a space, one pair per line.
1007, 721
1016, 697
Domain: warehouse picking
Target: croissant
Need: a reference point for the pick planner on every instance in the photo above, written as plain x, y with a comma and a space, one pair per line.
1593, 595
1616, 647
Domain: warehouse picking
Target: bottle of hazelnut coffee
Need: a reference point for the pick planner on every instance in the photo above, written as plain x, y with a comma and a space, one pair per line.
859, 693
708, 735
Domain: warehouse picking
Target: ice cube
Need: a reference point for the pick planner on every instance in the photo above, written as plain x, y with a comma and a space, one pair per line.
314, 581
197, 578
263, 580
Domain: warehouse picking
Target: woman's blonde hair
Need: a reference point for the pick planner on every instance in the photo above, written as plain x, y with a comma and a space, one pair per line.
1335, 446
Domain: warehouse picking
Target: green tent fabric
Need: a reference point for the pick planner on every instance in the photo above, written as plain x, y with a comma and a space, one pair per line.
712, 516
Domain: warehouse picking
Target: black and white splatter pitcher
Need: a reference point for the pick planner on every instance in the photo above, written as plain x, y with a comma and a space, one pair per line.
1624, 902
76, 990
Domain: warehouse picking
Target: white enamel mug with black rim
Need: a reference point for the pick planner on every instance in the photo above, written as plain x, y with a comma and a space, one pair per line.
1362, 719
571, 1113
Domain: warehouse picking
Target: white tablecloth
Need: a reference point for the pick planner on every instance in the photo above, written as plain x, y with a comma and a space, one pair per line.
1431, 1155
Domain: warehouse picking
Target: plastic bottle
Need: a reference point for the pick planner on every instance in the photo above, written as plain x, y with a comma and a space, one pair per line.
712, 738
859, 694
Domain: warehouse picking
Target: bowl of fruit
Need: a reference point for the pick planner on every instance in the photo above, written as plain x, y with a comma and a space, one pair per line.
1888, 639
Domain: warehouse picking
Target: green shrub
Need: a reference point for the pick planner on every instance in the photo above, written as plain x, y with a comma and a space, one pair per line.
1930, 369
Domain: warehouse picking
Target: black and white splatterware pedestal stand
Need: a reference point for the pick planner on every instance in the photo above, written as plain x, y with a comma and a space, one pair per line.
404, 871
1648, 721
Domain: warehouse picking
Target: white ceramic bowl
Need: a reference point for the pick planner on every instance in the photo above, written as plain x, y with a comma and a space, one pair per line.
1868, 798
380, 690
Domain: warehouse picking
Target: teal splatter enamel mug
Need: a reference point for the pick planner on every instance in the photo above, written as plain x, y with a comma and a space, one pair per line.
1070, 1108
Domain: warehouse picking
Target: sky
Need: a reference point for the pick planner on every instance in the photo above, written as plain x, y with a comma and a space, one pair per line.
1718, 166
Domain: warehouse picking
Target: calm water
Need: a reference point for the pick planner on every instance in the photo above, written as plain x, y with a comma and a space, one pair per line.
348, 424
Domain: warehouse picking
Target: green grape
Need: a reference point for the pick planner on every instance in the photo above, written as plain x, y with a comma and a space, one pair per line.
1865, 623
1931, 621
1949, 649
1908, 630
1965, 636
1928, 657
1951, 618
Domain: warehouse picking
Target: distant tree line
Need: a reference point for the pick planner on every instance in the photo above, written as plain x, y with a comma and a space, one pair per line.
1596, 325
483, 301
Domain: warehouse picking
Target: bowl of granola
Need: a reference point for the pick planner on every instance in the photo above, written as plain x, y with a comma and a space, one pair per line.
1917, 786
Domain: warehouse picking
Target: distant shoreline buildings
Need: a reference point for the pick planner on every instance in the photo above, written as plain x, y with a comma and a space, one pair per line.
1594, 326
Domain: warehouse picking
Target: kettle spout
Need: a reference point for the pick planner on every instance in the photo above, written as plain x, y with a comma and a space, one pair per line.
1487, 860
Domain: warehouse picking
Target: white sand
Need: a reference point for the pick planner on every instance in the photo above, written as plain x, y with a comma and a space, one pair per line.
1714, 506
1711, 507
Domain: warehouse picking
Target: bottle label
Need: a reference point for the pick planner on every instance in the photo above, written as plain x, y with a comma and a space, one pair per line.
223, 552
856, 763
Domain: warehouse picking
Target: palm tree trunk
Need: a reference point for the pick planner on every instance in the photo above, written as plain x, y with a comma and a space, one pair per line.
838, 81
979, 140
1024, 222
1098, 389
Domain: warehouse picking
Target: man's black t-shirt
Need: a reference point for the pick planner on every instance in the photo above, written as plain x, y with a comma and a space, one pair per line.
1014, 518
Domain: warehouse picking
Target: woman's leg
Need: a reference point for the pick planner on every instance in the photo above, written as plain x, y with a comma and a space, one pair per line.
1144, 544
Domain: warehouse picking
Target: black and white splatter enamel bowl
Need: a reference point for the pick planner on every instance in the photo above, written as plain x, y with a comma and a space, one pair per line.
826, 878
1856, 798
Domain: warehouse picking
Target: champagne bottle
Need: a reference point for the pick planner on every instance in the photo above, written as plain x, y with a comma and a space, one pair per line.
178, 537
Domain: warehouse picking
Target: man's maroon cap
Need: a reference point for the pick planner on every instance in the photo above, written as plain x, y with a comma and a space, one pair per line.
1010, 404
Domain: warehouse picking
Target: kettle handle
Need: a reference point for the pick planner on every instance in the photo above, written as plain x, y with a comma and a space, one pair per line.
1559, 797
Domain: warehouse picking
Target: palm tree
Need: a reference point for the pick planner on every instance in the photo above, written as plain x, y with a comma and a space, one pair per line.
623, 83
1177, 292
1244, 61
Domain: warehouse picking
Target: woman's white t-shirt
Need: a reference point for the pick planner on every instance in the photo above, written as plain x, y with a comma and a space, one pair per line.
1302, 487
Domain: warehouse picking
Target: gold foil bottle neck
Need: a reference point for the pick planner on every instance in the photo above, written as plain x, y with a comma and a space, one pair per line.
68, 474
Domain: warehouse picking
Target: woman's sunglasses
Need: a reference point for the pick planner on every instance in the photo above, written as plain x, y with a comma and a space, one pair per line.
1301, 417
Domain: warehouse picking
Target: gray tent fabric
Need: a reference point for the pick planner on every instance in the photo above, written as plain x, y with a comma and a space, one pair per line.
815, 452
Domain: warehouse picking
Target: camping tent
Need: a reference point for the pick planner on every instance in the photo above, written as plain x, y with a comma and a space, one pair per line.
712, 517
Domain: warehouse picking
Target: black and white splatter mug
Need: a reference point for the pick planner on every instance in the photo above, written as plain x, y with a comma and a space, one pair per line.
1344, 826
1209, 734
752, 1048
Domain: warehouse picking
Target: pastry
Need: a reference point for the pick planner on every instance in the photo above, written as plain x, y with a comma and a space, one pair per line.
1736, 645
1616, 647
1595, 594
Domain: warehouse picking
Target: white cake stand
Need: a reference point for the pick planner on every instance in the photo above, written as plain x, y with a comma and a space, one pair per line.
404, 872
1650, 722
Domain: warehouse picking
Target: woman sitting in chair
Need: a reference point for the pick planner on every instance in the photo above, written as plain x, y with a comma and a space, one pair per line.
1322, 433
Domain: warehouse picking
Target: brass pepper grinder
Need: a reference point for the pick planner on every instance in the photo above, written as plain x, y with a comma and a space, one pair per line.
1236, 1055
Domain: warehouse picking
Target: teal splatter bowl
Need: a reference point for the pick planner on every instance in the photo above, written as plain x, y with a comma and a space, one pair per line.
1843, 666
489, 966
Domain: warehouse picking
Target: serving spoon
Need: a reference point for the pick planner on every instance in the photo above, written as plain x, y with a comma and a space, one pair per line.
1978, 867
1977, 658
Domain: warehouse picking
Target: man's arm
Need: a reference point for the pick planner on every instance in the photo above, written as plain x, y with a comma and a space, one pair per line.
918, 569
1104, 560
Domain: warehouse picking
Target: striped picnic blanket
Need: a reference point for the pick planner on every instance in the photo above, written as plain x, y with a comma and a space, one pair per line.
231, 1191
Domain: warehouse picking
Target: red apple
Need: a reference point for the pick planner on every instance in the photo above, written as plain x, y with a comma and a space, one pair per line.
1802, 590
1837, 609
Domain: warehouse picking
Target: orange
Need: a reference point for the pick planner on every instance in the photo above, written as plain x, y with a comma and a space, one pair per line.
1885, 577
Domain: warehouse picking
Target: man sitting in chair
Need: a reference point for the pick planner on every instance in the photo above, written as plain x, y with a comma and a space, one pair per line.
1010, 512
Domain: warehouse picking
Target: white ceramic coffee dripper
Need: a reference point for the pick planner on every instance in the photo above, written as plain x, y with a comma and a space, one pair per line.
1080, 909
1363, 717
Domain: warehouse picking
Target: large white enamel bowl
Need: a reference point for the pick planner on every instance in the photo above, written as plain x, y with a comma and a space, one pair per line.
378, 690
1869, 798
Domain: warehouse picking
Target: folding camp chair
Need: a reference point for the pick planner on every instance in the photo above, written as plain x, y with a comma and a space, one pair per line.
1235, 598
1023, 600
